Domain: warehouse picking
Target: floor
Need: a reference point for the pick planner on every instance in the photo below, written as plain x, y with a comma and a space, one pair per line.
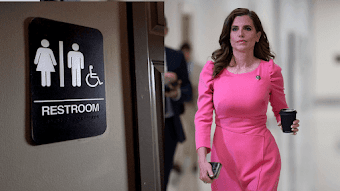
327, 146
187, 180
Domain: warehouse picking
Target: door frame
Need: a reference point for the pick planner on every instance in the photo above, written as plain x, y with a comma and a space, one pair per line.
145, 23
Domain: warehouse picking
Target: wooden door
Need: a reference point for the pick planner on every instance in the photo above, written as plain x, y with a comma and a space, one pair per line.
146, 48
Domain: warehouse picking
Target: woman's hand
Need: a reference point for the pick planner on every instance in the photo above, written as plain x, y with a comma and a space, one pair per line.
205, 169
204, 165
294, 126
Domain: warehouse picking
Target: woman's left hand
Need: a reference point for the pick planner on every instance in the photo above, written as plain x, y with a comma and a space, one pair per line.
294, 126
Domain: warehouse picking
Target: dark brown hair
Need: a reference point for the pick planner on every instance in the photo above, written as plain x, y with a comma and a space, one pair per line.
223, 55
185, 46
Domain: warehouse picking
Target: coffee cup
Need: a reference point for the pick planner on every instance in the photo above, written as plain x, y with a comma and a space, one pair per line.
287, 118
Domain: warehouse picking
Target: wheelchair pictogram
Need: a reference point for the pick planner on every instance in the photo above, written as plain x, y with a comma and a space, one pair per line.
93, 76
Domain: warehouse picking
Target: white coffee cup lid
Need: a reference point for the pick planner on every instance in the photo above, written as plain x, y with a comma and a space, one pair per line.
288, 110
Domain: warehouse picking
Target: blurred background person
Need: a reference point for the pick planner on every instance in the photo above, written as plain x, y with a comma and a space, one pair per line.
177, 91
186, 49
186, 152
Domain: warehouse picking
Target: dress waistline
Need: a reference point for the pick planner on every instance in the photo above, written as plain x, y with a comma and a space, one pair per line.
254, 125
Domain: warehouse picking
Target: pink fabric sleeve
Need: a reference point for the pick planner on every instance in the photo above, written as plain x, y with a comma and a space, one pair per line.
277, 96
204, 114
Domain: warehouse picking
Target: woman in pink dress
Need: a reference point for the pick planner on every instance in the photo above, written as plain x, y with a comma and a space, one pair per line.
238, 84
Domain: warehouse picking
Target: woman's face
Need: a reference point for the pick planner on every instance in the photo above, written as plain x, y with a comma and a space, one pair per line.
243, 34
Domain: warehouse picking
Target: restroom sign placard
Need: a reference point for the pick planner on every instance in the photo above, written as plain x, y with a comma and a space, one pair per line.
67, 82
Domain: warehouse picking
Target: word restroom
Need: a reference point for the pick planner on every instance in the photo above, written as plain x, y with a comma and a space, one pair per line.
69, 109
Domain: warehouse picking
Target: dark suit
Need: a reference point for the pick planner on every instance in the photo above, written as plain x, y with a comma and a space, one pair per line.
173, 127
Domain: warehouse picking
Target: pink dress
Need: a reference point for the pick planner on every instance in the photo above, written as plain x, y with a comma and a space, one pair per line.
242, 143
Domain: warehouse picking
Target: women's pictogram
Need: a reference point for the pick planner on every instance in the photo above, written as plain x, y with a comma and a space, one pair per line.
45, 60
92, 75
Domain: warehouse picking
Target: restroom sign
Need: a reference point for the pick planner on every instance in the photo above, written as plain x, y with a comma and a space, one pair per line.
67, 82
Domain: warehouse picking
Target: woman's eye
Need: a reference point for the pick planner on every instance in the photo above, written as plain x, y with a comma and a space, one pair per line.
248, 29
234, 29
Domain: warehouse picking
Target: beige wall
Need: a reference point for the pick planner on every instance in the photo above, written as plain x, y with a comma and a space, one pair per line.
97, 163
327, 78
326, 27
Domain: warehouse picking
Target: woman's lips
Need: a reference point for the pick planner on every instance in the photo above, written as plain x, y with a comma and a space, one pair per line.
241, 41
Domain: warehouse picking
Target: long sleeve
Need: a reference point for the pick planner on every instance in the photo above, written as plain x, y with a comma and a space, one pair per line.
186, 89
204, 114
277, 96
176, 63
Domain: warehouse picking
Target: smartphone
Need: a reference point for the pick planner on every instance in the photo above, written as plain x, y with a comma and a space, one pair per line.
167, 89
216, 168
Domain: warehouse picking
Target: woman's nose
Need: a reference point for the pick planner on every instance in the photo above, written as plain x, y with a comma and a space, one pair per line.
241, 33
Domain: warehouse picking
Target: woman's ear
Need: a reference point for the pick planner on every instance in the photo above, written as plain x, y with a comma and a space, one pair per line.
258, 34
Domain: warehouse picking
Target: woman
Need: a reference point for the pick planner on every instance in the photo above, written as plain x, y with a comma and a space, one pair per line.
45, 60
238, 84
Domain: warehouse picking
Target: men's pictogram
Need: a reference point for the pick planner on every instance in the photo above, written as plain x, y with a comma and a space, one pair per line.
75, 61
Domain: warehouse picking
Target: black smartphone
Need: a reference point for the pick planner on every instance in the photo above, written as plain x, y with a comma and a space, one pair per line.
167, 89
216, 168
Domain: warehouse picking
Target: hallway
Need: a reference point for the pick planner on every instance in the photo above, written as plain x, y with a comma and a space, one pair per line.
304, 37
187, 180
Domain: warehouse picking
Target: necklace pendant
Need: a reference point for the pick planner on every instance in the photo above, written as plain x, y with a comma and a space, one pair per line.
258, 77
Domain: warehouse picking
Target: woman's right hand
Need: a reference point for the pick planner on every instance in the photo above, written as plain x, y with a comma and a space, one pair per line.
205, 169
205, 166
